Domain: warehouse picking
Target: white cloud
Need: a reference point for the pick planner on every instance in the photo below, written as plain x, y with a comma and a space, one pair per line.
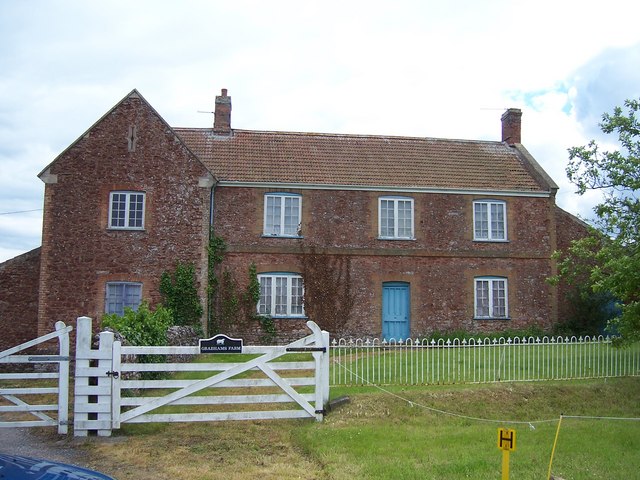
19, 233
603, 83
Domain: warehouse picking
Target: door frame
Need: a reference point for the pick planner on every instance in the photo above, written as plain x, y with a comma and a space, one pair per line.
407, 287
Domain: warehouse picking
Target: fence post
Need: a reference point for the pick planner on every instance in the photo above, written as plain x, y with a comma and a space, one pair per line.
63, 380
81, 394
115, 384
325, 368
92, 404
320, 340
105, 384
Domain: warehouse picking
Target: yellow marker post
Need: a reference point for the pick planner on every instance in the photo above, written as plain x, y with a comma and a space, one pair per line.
506, 443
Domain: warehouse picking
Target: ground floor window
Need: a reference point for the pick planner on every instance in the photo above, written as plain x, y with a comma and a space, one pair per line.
281, 295
122, 294
491, 299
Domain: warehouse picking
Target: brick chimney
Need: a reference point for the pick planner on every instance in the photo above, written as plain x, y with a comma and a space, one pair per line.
222, 114
511, 126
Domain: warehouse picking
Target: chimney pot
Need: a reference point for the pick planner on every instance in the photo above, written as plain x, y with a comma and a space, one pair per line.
222, 114
512, 126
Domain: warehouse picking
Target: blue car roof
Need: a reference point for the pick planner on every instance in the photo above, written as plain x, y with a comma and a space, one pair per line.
16, 467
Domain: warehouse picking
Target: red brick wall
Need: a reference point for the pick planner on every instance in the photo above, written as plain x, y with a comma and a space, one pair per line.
80, 254
440, 265
349, 219
569, 228
19, 299
442, 292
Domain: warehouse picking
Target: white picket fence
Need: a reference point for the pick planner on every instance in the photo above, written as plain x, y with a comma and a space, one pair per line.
110, 388
13, 408
362, 362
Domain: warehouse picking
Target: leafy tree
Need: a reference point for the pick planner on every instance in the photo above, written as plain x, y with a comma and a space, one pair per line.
590, 312
180, 295
609, 258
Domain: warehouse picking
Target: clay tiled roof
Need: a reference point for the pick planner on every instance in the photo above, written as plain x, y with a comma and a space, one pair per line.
362, 161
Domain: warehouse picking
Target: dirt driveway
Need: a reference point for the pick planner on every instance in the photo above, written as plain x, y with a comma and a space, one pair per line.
46, 444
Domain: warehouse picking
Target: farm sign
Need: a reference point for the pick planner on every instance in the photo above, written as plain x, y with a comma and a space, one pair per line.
221, 344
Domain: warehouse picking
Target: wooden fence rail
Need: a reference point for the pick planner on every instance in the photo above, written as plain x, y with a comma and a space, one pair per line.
29, 394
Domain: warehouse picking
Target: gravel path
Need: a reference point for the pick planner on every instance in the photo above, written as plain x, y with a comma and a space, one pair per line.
43, 443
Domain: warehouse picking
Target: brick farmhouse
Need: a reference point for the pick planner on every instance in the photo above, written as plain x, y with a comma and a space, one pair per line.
367, 235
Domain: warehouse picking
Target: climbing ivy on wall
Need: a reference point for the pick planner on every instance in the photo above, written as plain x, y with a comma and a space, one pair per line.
180, 295
216, 250
228, 306
328, 292
253, 289
252, 297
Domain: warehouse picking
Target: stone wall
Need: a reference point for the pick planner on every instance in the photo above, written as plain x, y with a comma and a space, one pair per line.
19, 299
569, 228
439, 265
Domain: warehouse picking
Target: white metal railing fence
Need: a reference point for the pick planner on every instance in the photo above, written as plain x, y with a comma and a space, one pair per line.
415, 362
28, 398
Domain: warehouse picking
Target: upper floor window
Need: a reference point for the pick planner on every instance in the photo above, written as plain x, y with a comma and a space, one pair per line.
489, 220
395, 217
281, 295
122, 294
491, 297
126, 210
282, 214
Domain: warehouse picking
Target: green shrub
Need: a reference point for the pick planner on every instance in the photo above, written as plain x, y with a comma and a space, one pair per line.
141, 327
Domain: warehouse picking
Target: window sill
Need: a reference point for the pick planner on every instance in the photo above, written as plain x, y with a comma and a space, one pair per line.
491, 319
401, 239
264, 235
285, 317
482, 240
124, 229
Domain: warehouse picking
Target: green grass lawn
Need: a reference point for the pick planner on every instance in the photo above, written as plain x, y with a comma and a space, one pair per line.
402, 434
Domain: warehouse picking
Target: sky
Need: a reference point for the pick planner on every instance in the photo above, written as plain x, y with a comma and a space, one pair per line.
411, 68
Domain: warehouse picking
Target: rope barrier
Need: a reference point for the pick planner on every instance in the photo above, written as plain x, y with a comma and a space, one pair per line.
530, 423
586, 417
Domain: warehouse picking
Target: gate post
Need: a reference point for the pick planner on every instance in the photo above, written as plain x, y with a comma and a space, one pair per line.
325, 368
92, 403
321, 340
63, 380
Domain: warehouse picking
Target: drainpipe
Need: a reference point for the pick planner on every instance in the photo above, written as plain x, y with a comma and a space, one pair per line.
211, 204
211, 230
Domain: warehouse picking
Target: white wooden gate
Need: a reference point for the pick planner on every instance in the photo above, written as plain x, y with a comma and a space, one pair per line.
238, 388
13, 409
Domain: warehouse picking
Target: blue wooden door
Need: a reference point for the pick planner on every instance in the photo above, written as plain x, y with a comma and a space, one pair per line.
395, 310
